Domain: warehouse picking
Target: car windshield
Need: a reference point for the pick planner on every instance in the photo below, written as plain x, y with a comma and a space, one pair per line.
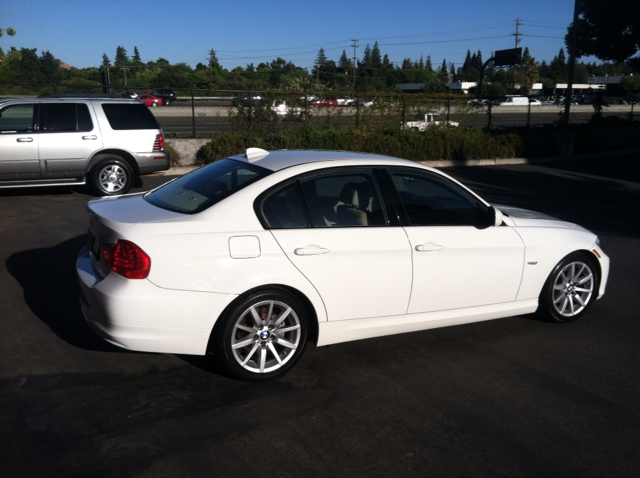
206, 186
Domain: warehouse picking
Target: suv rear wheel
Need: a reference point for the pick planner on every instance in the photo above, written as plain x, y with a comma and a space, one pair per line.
111, 176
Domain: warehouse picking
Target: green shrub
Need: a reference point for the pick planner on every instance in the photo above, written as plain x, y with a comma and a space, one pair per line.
436, 143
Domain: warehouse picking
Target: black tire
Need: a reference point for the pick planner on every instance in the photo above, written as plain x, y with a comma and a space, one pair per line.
167, 102
111, 176
263, 355
570, 289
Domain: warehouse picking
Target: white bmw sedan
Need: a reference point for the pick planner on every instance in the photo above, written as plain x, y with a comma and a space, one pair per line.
251, 257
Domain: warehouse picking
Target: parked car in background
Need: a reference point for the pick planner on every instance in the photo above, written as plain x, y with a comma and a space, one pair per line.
516, 101
281, 108
325, 100
249, 99
421, 121
168, 96
345, 100
58, 139
366, 102
127, 94
252, 256
150, 100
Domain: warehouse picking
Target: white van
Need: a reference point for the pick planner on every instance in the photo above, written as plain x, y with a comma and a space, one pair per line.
516, 101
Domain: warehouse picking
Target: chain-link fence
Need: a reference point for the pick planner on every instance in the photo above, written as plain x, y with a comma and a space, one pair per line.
198, 112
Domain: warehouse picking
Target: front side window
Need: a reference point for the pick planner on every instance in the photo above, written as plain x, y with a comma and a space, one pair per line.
17, 119
206, 186
334, 199
431, 201
61, 117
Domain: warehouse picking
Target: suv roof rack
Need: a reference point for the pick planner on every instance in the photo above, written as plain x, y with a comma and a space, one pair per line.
81, 95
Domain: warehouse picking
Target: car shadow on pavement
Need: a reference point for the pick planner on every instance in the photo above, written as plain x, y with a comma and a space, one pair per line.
50, 286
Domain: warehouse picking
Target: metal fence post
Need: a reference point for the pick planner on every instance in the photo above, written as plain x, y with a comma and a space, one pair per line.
529, 112
357, 111
193, 114
403, 110
448, 108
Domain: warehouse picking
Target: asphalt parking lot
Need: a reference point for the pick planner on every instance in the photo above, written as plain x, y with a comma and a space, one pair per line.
513, 397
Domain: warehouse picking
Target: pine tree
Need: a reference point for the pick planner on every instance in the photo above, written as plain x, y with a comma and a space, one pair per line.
428, 65
376, 57
321, 60
213, 59
344, 62
467, 62
121, 56
136, 54
105, 61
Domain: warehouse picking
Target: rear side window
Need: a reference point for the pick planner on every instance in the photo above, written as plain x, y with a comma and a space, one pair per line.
206, 186
65, 117
129, 116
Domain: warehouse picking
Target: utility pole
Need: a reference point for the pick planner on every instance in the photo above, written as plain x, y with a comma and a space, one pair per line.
125, 78
572, 60
355, 45
517, 33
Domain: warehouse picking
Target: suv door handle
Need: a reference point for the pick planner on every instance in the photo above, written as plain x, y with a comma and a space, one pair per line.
93, 136
24, 140
310, 251
429, 247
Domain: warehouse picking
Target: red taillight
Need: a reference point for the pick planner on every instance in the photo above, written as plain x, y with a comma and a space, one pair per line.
158, 144
127, 259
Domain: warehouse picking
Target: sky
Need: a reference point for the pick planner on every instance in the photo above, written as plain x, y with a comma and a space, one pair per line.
79, 32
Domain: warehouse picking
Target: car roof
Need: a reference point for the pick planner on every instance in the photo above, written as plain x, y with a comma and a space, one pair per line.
278, 160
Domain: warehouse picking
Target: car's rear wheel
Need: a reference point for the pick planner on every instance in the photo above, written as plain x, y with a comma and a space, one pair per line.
111, 176
570, 289
263, 336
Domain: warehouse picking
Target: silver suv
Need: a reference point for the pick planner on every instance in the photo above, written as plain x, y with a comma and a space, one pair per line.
101, 140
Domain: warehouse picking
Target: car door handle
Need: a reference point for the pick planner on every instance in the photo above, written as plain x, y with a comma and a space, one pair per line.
428, 247
93, 136
24, 140
310, 251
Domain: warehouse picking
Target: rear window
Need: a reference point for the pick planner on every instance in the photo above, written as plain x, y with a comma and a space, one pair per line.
206, 186
129, 116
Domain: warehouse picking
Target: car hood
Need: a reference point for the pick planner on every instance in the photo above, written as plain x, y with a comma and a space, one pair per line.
526, 218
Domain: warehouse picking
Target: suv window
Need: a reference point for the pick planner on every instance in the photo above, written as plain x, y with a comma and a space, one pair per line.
129, 116
17, 119
65, 117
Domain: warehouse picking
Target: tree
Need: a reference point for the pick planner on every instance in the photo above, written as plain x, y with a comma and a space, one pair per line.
12, 55
105, 61
321, 60
558, 69
121, 56
10, 31
607, 30
136, 54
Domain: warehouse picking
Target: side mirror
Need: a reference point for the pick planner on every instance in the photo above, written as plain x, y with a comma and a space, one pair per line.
498, 216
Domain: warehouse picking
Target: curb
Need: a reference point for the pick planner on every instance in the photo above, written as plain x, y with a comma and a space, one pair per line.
181, 170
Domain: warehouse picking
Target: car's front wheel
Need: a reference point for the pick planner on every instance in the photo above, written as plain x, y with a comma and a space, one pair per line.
111, 176
263, 336
570, 289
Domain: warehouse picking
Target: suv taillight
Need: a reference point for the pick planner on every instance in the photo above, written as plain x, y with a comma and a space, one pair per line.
158, 144
127, 259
